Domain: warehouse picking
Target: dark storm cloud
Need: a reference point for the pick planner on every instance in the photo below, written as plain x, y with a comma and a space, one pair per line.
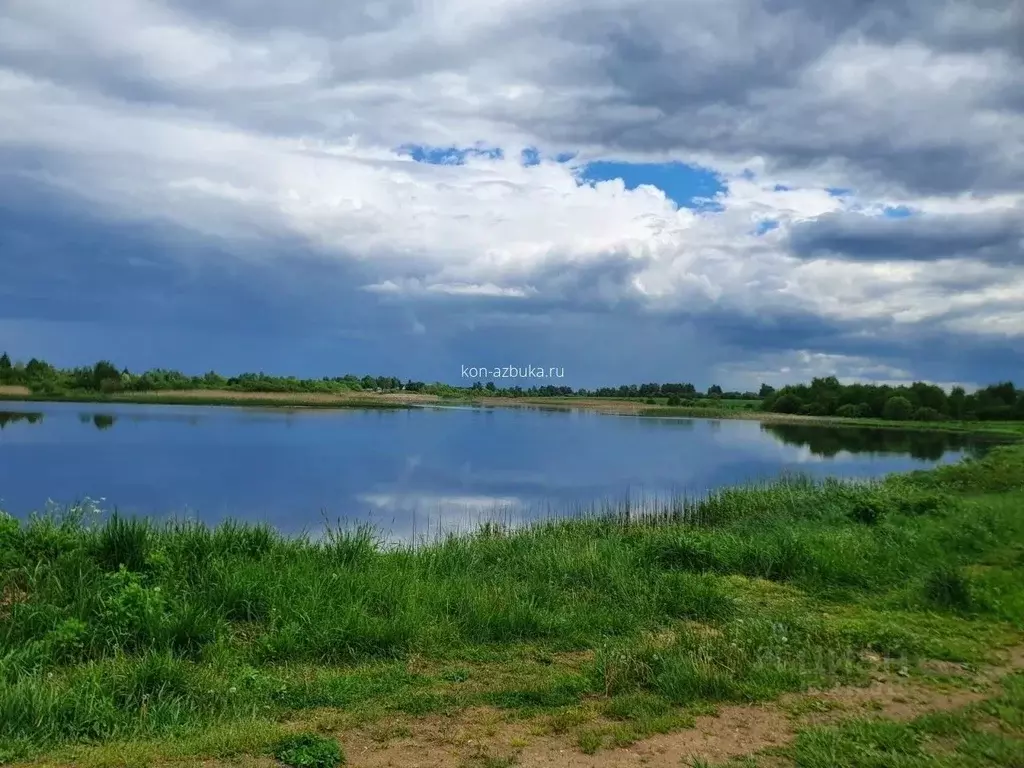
752, 78
997, 238
801, 83
57, 263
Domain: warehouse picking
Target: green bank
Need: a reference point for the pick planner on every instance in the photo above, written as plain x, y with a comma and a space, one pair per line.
123, 642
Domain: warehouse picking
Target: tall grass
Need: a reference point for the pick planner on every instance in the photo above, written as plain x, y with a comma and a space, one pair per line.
123, 627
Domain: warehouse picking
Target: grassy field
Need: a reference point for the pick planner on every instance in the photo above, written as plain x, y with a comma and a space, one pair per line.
798, 623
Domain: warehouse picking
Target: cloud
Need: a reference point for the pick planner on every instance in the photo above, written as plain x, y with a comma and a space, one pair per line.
992, 237
535, 169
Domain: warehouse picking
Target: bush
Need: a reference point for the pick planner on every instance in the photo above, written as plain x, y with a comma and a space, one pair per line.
869, 510
651, 401
848, 411
925, 504
308, 750
674, 401
947, 587
897, 408
787, 404
813, 409
927, 414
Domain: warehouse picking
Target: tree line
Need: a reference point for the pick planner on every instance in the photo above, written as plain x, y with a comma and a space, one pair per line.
915, 402
822, 397
106, 378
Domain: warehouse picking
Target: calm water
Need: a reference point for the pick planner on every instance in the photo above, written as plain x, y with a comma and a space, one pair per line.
409, 471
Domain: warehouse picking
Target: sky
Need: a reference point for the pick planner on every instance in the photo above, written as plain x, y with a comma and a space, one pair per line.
714, 191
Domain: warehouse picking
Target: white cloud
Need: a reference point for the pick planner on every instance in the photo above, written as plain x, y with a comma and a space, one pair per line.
252, 131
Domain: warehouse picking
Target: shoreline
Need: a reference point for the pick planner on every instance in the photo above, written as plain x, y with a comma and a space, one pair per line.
400, 401
784, 610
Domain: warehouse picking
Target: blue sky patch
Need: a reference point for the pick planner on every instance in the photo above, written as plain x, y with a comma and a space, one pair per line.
447, 155
839, 191
688, 186
897, 212
782, 188
529, 156
766, 226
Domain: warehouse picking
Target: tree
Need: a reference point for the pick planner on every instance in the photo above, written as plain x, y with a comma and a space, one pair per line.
714, 389
897, 408
957, 402
788, 403
766, 391
104, 376
6, 369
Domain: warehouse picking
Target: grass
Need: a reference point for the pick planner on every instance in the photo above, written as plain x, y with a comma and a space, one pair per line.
123, 637
988, 734
308, 750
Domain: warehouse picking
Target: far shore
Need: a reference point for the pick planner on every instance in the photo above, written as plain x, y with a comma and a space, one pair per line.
398, 400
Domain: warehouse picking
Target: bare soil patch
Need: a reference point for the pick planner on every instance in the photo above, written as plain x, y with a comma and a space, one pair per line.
472, 737
890, 700
483, 736
14, 389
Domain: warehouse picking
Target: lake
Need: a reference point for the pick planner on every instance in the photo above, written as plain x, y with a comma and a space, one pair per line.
409, 472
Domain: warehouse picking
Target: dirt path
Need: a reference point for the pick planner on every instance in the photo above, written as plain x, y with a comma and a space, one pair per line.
492, 738
487, 738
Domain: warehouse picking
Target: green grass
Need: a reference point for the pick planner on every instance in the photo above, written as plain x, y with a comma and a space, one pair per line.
308, 750
984, 735
208, 642
1009, 430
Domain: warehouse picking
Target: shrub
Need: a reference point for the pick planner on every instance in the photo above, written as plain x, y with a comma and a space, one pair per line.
947, 587
869, 510
848, 411
924, 504
307, 750
787, 404
651, 401
927, 414
897, 408
674, 401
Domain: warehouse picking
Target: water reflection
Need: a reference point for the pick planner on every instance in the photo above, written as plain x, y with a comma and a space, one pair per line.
12, 417
98, 420
918, 444
410, 472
